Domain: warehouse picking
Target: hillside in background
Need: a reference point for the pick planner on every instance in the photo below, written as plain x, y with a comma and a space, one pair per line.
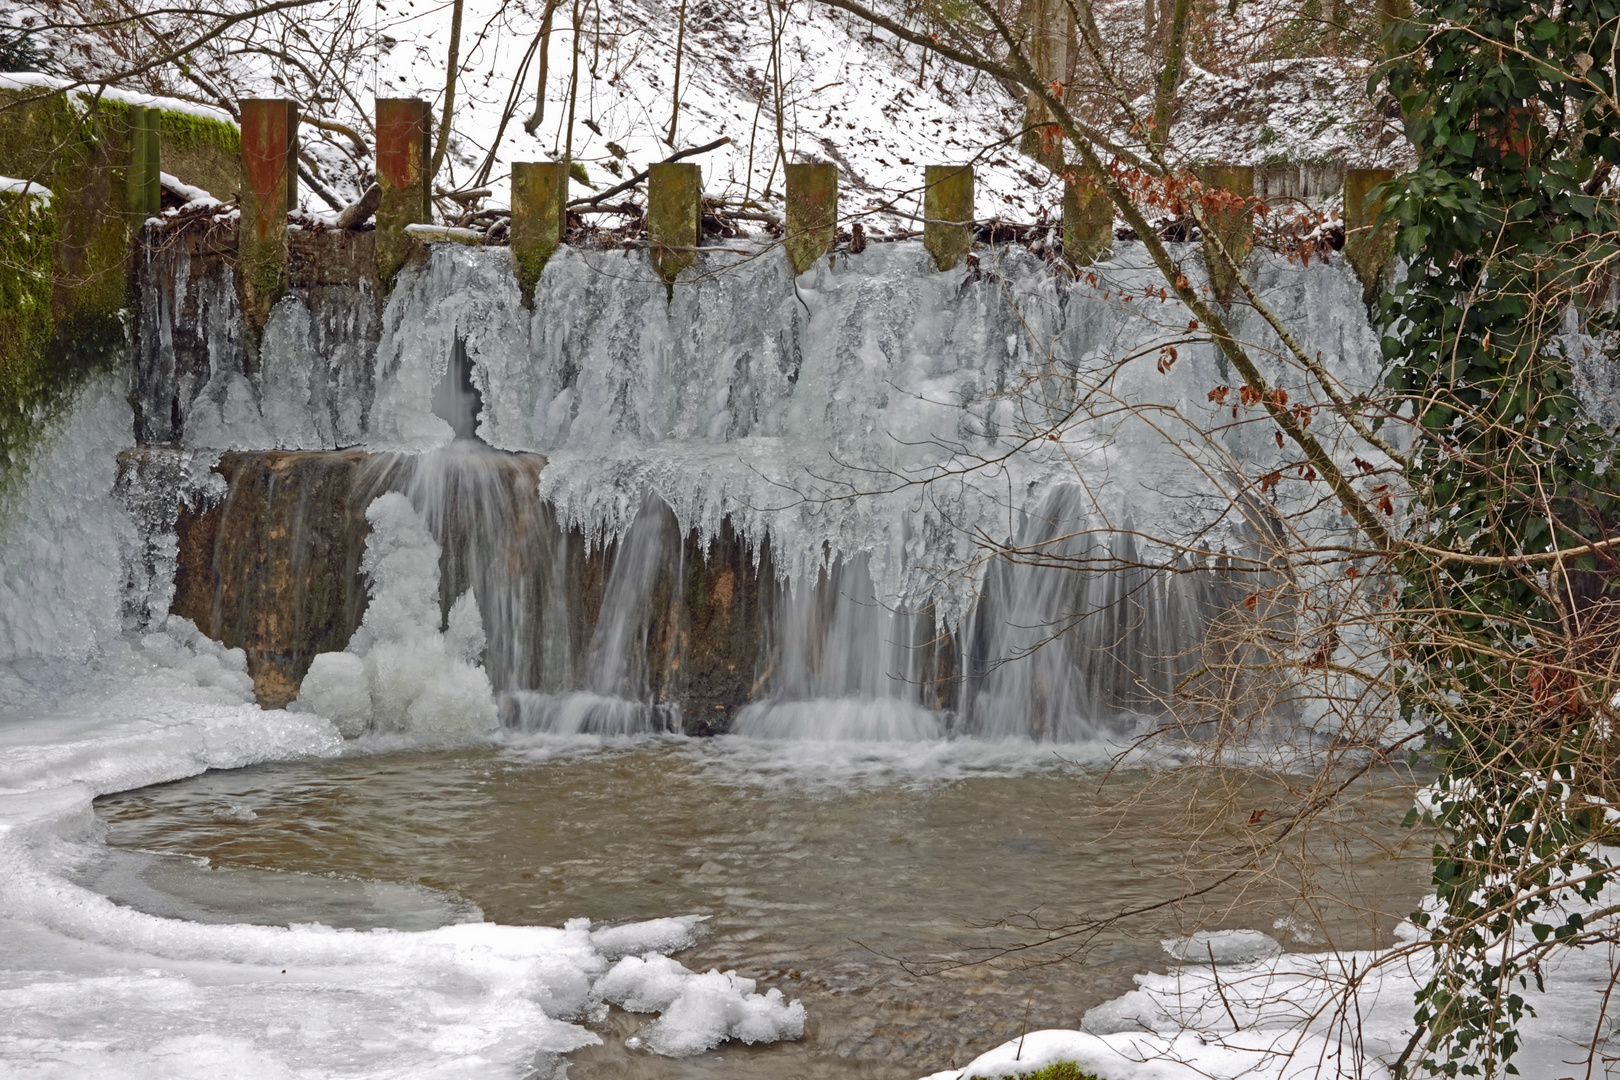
796, 82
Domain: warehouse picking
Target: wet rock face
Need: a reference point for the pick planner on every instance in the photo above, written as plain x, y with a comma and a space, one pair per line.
726, 604
271, 565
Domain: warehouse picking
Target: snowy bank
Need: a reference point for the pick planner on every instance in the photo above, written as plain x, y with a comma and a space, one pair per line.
1294, 1016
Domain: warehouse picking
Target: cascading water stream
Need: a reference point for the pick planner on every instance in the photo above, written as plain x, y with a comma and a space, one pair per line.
761, 505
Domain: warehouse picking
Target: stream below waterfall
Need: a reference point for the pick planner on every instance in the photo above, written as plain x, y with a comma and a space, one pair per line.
840, 873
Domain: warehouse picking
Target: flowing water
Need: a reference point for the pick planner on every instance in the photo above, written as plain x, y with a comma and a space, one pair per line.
844, 874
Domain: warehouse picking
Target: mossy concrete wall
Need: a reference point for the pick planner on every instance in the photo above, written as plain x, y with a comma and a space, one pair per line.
65, 265
202, 152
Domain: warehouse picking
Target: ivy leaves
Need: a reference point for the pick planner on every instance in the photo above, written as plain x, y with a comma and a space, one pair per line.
1507, 229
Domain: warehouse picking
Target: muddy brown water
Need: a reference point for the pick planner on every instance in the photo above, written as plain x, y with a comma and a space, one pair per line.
845, 891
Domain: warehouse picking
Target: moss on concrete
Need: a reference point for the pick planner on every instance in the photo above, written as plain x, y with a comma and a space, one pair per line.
1060, 1070
202, 152
65, 266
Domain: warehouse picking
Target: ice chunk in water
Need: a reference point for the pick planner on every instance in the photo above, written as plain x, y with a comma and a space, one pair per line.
649, 983
654, 935
1222, 947
697, 1012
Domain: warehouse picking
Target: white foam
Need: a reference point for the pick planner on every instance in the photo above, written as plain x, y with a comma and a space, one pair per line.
890, 719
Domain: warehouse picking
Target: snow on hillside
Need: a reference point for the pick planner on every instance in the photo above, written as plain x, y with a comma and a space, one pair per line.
850, 96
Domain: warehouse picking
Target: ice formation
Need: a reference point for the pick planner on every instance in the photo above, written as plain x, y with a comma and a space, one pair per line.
400, 672
697, 1012
92, 988
875, 423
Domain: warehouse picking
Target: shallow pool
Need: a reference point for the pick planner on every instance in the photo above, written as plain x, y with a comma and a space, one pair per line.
862, 880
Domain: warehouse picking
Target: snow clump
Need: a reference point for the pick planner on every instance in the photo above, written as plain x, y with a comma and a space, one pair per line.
696, 1012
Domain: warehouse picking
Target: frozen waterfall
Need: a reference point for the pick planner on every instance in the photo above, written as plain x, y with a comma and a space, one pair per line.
772, 505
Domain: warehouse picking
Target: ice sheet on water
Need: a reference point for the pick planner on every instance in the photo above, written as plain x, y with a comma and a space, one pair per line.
697, 1012
1222, 947
400, 673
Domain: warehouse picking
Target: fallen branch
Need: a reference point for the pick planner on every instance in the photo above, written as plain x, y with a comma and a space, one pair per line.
642, 175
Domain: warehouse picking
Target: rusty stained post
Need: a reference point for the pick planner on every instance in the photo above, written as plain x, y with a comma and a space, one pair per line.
1088, 220
1368, 250
269, 190
1231, 218
403, 125
812, 213
144, 190
539, 214
674, 216
948, 213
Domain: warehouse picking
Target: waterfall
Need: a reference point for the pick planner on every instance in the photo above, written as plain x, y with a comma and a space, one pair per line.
762, 504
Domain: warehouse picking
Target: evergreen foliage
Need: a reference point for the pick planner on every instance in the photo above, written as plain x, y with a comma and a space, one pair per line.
1509, 229
20, 52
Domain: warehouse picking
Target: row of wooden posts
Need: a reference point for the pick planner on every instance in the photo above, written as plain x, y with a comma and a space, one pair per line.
674, 212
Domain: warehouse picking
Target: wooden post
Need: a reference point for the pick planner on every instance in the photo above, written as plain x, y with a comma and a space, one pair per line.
403, 125
1088, 221
539, 201
1231, 218
812, 213
144, 197
674, 216
269, 190
1368, 250
948, 213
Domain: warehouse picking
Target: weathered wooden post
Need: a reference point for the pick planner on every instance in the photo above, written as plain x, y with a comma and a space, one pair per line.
1366, 248
1228, 215
269, 190
674, 216
812, 213
948, 213
539, 213
402, 173
1088, 220
144, 196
